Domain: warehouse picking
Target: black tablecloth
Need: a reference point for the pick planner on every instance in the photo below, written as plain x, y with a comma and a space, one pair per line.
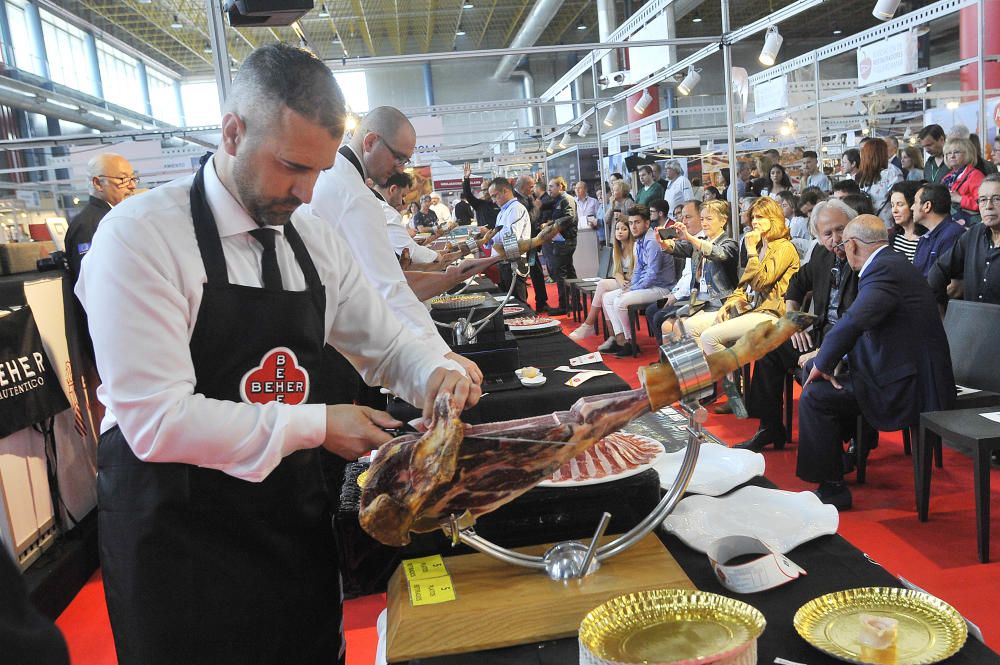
545, 353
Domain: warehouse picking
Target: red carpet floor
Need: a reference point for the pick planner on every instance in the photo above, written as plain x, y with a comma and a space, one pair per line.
939, 555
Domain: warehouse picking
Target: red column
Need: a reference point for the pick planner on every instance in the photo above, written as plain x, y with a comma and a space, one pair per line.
969, 45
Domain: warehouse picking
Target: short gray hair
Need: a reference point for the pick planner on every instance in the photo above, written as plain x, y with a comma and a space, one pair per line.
278, 75
993, 177
847, 211
673, 164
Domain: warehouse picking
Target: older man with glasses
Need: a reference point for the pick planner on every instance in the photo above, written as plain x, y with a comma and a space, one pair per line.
887, 382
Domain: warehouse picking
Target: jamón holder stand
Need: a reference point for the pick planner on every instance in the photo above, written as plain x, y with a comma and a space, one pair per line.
572, 559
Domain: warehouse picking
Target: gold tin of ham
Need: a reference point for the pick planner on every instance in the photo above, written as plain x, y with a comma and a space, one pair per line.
671, 627
928, 630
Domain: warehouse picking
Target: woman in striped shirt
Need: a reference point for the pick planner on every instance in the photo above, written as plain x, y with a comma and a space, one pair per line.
905, 232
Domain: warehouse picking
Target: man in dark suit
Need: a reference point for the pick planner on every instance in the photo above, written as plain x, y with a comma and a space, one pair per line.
897, 355
110, 180
833, 286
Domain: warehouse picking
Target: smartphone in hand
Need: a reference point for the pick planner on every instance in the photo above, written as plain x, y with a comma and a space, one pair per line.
668, 232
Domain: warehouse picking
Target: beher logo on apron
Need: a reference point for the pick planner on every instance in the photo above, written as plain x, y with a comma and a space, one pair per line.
278, 378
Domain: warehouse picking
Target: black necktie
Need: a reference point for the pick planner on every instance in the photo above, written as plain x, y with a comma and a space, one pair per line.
269, 271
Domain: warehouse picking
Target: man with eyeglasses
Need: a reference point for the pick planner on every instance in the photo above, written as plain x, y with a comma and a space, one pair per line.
973, 257
889, 382
110, 180
382, 145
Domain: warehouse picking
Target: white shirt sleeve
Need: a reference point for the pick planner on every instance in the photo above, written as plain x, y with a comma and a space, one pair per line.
682, 289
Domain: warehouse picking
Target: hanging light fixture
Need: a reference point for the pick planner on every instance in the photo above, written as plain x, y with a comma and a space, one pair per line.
564, 141
323, 11
859, 107
609, 119
644, 102
697, 17
865, 129
885, 9
772, 43
177, 25
690, 81
551, 147
585, 127
907, 133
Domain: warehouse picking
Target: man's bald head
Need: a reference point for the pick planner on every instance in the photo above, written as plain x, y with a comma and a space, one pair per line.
385, 141
110, 177
524, 184
385, 121
862, 237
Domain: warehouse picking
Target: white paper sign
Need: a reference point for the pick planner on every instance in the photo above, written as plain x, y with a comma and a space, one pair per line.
994, 416
886, 59
770, 95
614, 145
647, 135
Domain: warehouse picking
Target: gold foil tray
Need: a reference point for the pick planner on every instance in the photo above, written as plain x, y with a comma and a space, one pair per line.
929, 631
670, 626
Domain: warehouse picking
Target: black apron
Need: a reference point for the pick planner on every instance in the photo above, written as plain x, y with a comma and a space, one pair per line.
199, 566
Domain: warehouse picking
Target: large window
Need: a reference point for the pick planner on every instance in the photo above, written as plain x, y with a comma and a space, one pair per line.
200, 100
162, 97
24, 55
120, 77
66, 48
355, 88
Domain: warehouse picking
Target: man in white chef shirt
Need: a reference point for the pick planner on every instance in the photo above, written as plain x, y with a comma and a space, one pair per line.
382, 144
396, 188
440, 209
209, 304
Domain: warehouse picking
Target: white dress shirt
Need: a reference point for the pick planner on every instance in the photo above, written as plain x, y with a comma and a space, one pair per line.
819, 180
584, 208
345, 202
678, 191
513, 218
141, 285
442, 211
400, 238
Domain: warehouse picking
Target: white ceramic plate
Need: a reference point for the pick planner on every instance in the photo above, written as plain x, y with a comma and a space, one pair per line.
782, 519
719, 469
533, 383
538, 326
607, 479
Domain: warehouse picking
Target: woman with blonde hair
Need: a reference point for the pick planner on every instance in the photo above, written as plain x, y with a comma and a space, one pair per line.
760, 294
623, 262
621, 201
962, 180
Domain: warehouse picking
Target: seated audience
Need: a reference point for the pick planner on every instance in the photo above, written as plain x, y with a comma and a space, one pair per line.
860, 202
850, 163
651, 280
661, 310
905, 231
714, 259
623, 262
833, 286
811, 175
876, 176
711, 193
798, 223
779, 182
931, 207
889, 383
845, 187
962, 180
972, 255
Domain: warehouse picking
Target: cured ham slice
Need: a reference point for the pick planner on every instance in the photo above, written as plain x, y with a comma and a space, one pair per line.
612, 455
417, 482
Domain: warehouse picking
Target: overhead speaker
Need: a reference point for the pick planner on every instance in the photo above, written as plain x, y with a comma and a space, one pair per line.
265, 13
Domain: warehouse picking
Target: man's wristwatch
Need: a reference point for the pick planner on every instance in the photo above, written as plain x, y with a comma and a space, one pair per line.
471, 245
510, 247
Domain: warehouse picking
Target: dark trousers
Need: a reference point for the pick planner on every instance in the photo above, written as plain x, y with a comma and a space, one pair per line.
561, 268
520, 290
767, 385
827, 418
656, 315
538, 284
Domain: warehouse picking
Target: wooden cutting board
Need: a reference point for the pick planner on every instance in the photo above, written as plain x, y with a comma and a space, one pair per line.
499, 605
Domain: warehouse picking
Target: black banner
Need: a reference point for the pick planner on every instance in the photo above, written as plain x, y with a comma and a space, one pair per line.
29, 389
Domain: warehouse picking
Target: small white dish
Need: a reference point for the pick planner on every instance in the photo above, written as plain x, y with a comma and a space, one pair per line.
533, 383
719, 469
784, 520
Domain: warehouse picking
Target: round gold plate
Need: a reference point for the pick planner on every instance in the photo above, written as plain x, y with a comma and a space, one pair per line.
670, 626
929, 631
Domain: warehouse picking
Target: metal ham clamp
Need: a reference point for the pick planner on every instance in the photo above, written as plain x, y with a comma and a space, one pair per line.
448, 476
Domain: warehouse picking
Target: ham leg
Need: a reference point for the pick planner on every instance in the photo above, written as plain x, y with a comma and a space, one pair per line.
418, 481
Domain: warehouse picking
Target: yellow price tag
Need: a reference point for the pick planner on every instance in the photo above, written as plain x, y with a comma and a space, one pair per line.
431, 591
424, 568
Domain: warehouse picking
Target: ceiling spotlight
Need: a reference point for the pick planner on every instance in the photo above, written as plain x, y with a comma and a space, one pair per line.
551, 147
468, 5
837, 31
585, 127
564, 141
772, 43
208, 47
952, 105
885, 9
859, 107
921, 30
696, 18
609, 119
644, 102
460, 33
177, 25
323, 11
907, 133
690, 81
786, 130
581, 27
865, 129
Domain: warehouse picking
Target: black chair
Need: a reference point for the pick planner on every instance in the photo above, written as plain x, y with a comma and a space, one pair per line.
577, 288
